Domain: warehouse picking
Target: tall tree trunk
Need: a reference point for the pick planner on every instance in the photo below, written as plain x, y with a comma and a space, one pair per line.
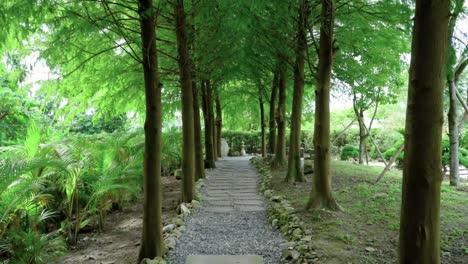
272, 127
422, 170
209, 155
280, 154
152, 242
212, 120
199, 163
295, 172
453, 135
452, 87
219, 124
263, 126
358, 111
362, 137
321, 194
188, 147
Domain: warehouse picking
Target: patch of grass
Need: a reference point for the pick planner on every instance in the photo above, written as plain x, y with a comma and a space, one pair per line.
371, 216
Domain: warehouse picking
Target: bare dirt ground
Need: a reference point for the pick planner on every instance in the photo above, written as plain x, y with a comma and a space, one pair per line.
119, 242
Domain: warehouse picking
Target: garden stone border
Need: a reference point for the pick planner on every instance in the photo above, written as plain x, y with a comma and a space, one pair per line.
281, 216
172, 232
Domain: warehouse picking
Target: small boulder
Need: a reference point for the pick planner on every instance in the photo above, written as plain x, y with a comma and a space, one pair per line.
171, 243
168, 228
274, 222
178, 222
177, 233
195, 203
297, 232
295, 255
184, 210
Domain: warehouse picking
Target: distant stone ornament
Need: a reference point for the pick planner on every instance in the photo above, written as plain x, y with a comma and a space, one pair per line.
242, 152
224, 148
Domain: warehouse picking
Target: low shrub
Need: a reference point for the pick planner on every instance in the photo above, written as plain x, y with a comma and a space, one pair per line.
349, 151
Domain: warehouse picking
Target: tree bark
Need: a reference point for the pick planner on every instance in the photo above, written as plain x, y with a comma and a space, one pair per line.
188, 147
213, 121
452, 81
280, 154
358, 111
219, 125
295, 172
272, 126
206, 95
321, 194
422, 170
199, 165
453, 135
152, 242
263, 126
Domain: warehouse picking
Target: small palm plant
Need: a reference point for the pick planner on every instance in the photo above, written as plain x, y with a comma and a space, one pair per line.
24, 206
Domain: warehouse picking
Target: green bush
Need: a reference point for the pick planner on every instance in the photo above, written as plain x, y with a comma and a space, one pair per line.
463, 157
349, 151
32, 247
464, 140
350, 137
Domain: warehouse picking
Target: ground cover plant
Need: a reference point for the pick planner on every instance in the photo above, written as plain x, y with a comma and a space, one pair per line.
366, 231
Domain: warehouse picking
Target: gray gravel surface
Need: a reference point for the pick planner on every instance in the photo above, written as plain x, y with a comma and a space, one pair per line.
243, 230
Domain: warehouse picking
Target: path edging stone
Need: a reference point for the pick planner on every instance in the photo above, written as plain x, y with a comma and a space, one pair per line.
281, 216
174, 230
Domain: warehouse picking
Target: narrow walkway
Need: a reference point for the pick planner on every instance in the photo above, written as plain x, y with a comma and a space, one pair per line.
232, 218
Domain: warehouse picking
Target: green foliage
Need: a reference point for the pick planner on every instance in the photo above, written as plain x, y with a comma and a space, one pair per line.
81, 178
349, 151
88, 124
33, 247
391, 152
172, 151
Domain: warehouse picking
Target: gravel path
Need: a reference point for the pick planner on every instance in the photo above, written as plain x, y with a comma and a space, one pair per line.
232, 218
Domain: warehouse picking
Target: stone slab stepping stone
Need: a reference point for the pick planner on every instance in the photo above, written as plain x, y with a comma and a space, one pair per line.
245, 197
251, 208
224, 259
220, 209
220, 203
249, 202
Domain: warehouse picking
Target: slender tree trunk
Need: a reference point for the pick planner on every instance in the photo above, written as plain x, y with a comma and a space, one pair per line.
343, 131
453, 135
422, 170
390, 163
295, 172
188, 147
321, 193
263, 125
280, 154
199, 163
452, 87
272, 127
358, 111
362, 137
212, 120
219, 124
209, 155
152, 242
